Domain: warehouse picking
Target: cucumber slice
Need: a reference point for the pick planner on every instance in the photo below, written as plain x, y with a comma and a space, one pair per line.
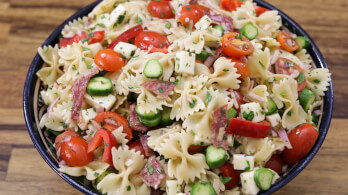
203, 55
263, 178
165, 120
203, 188
153, 69
149, 116
307, 97
303, 43
103, 175
272, 107
99, 86
150, 122
219, 27
249, 31
215, 157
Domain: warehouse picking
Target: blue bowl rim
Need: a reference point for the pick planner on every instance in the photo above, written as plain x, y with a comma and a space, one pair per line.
31, 79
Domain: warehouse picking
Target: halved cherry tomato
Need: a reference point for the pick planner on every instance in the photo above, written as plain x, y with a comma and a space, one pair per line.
275, 163
94, 37
64, 42
235, 47
193, 149
160, 9
136, 145
120, 120
231, 5
74, 152
286, 42
126, 36
302, 140
242, 68
260, 10
239, 99
147, 38
60, 138
248, 129
227, 170
109, 60
191, 13
109, 142
286, 66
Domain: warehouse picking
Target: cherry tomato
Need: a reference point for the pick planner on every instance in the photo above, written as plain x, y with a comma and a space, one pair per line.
160, 9
260, 10
120, 120
302, 139
286, 42
136, 145
231, 5
275, 163
235, 47
147, 38
126, 36
60, 138
227, 170
74, 152
109, 60
96, 37
286, 66
193, 149
242, 68
191, 13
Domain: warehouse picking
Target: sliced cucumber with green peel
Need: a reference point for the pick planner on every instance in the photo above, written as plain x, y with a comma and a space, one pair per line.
165, 120
150, 115
99, 86
263, 178
153, 69
150, 122
307, 98
272, 107
203, 188
249, 31
219, 27
215, 157
303, 43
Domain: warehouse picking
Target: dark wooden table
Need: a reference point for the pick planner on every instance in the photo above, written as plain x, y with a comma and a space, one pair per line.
25, 24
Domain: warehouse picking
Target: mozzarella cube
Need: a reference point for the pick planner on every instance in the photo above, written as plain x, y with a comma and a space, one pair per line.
248, 183
254, 109
125, 49
203, 23
116, 16
173, 187
274, 119
105, 101
185, 62
243, 162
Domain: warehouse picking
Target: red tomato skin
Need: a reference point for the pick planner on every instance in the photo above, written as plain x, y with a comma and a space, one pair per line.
282, 68
137, 146
192, 12
120, 120
97, 37
231, 5
227, 170
74, 152
302, 139
275, 163
242, 67
109, 60
234, 47
60, 138
260, 10
147, 38
283, 38
160, 9
248, 129
126, 36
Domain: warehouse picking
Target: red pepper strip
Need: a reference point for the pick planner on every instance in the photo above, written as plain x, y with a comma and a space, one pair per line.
260, 10
127, 35
193, 149
248, 129
109, 142
162, 50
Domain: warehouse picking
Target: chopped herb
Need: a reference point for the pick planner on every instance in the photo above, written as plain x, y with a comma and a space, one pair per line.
239, 36
316, 128
160, 90
316, 81
289, 63
64, 125
188, 8
89, 66
289, 113
226, 70
248, 167
46, 50
208, 98
74, 67
173, 11
193, 133
139, 20
168, 25
225, 180
72, 150
94, 109
162, 14
129, 188
120, 19
236, 144
240, 18
192, 104
101, 25
223, 111
283, 94
263, 66
85, 48
150, 168
248, 116
106, 144
96, 174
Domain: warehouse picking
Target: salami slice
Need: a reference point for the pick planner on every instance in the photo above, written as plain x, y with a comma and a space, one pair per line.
147, 149
134, 122
225, 21
160, 88
153, 173
218, 125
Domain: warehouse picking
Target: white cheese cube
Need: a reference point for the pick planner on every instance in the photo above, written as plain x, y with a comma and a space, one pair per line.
274, 119
243, 162
125, 49
185, 62
203, 23
115, 16
253, 108
249, 186
173, 187
105, 101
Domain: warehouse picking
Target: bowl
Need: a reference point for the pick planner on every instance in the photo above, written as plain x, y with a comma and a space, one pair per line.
31, 108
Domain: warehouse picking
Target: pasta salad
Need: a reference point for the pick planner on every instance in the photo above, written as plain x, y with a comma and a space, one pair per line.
180, 97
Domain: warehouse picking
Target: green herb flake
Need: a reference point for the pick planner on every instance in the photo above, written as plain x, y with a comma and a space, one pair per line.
129, 188
96, 174
106, 144
208, 98
283, 94
236, 144
188, 8
316, 81
162, 14
193, 133
223, 111
289, 113
248, 167
139, 20
263, 66
101, 25
301, 78
150, 168
226, 70
225, 180
192, 104
160, 90
85, 48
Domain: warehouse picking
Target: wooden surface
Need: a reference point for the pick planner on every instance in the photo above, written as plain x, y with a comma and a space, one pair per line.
25, 24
